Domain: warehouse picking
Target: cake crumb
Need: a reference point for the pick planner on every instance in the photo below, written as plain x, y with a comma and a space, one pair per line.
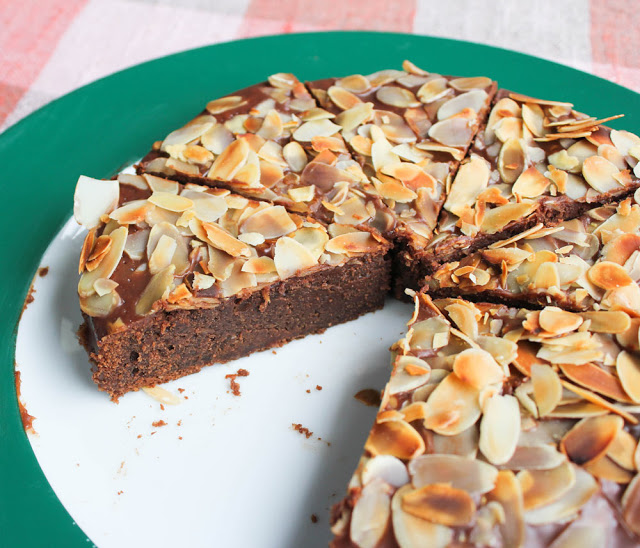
139, 436
179, 437
304, 431
120, 492
162, 407
25, 417
273, 352
308, 391
368, 396
314, 518
43, 271
158, 424
179, 423
181, 390
233, 384
318, 387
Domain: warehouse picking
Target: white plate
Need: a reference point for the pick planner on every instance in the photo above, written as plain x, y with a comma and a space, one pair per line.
225, 470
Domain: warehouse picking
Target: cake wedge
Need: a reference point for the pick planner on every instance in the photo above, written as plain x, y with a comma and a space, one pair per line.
535, 164
502, 427
176, 277
591, 262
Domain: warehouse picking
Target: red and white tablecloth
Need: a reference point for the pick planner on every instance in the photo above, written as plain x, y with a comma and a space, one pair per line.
50, 47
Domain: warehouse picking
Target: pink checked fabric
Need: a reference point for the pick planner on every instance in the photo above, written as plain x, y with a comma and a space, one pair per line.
50, 47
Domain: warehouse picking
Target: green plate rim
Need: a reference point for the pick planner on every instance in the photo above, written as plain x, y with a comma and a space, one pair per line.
43, 154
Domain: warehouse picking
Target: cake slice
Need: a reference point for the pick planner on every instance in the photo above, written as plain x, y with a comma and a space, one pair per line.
585, 263
502, 427
176, 277
409, 129
272, 142
535, 163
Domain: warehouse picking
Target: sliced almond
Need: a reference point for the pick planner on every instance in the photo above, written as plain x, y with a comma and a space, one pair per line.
497, 218
414, 532
225, 103
631, 505
590, 438
452, 132
291, 257
387, 468
536, 457
581, 535
608, 275
507, 492
511, 160
433, 90
472, 178
473, 476
397, 97
295, 156
353, 243
477, 368
597, 379
371, 514
452, 407
531, 184
342, 98
107, 265
599, 173
440, 503
569, 504
157, 288
499, 428
94, 198
316, 128
628, 370
474, 100
397, 438
170, 201
547, 389
466, 84
221, 239
542, 487
230, 161
557, 321
272, 222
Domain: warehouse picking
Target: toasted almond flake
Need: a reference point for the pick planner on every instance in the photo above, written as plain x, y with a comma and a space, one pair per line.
440, 503
497, 218
186, 134
631, 505
542, 487
596, 379
371, 514
477, 368
358, 114
353, 243
104, 286
397, 97
295, 156
225, 103
397, 438
355, 83
161, 395
157, 288
433, 90
531, 183
507, 492
499, 428
537, 457
317, 128
87, 247
162, 254
533, 117
342, 98
466, 84
599, 173
599, 401
452, 407
557, 321
452, 132
237, 281
590, 438
473, 476
474, 100
628, 370
567, 505
511, 160
272, 222
607, 321
386, 468
472, 178
171, 202
609, 275
221, 239
230, 161
413, 532
202, 281
508, 128
313, 238
605, 469
94, 198
622, 450
291, 257
107, 265
217, 139
581, 535
547, 389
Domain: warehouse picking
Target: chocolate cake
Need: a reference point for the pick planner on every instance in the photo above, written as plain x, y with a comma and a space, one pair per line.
581, 264
285, 208
502, 427
178, 277
534, 164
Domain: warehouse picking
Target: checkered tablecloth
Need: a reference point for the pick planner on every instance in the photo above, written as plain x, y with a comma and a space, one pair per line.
50, 47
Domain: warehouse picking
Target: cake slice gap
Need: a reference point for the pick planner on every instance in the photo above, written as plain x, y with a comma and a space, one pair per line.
177, 277
536, 163
501, 427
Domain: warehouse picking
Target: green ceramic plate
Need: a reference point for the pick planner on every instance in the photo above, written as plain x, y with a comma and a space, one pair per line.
108, 124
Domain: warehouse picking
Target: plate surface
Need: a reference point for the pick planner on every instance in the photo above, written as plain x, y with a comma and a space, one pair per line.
95, 131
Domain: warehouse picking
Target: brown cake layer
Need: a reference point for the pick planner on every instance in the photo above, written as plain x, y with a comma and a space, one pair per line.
170, 344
